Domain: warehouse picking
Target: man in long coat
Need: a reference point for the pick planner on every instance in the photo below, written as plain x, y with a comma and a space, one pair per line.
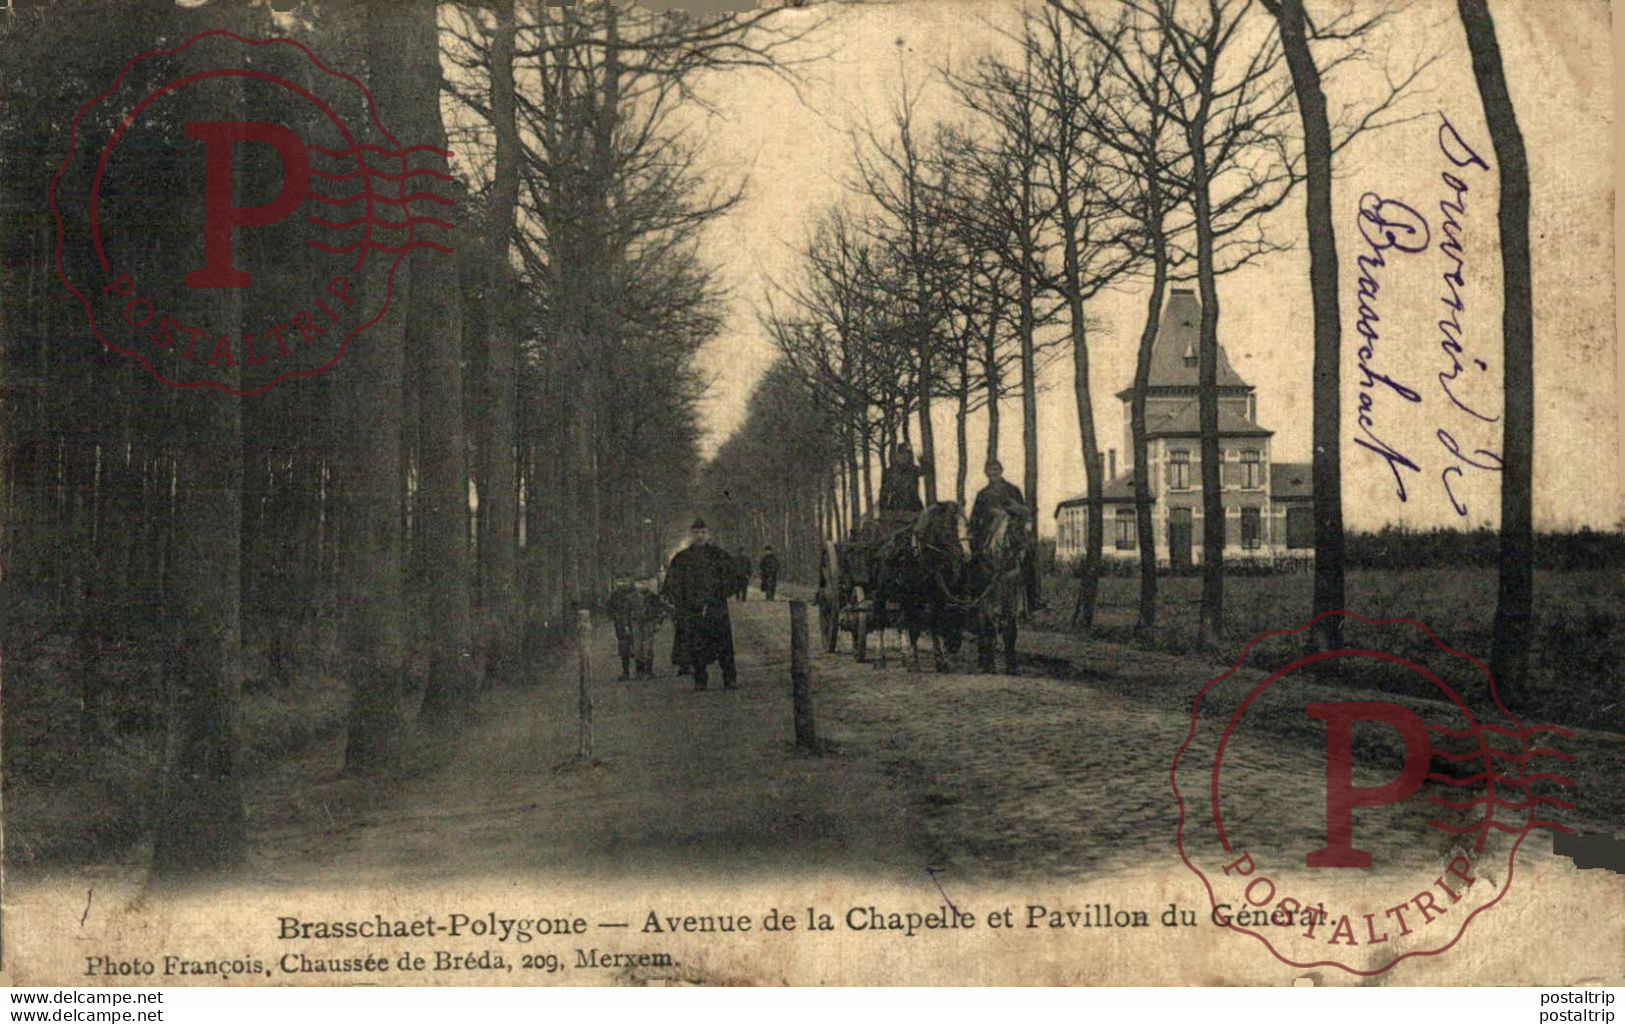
701, 578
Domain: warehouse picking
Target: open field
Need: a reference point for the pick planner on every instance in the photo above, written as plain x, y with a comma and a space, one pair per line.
1577, 649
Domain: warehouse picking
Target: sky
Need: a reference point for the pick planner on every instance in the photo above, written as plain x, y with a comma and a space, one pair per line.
792, 146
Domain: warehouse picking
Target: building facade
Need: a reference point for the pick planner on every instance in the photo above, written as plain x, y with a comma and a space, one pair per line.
1268, 515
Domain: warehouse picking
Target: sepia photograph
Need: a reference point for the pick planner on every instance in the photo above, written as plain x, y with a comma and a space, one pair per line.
856, 493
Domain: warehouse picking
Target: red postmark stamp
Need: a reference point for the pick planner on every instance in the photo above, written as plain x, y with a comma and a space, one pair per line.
1359, 833
301, 207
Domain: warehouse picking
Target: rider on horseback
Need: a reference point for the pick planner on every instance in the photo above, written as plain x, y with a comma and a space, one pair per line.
1002, 495
900, 485
1000, 525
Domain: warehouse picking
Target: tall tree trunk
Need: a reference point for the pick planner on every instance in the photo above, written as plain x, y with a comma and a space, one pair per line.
499, 501
436, 315
1145, 531
1029, 382
990, 369
1514, 606
1029, 374
868, 471
1211, 625
369, 410
201, 824
533, 558
200, 818
853, 491
1327, 464
1083, 614
961, 417
928, 434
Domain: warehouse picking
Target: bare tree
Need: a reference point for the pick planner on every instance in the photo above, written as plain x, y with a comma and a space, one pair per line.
979, 305
1319, 147
1228, 104
612, 201
1327, 482
1127, 117
409, 83
1004, 101
1514, 608
201, 823
371, 574
1094, 233
894, 173
498, 489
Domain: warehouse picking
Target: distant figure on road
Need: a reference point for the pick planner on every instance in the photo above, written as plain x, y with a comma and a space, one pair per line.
769, 567
624, 607
900, 483
742, 574
698, 583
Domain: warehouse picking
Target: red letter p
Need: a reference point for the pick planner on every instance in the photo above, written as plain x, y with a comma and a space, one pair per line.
220, 216
1342, 795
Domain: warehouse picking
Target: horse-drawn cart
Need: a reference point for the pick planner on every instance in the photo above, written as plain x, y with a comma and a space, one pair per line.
852, 595
917, 573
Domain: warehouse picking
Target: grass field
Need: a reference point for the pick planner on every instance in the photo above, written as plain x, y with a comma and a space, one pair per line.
1577, 648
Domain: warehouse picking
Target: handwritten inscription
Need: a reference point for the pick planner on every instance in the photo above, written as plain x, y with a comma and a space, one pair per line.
1452, 342
1390, 228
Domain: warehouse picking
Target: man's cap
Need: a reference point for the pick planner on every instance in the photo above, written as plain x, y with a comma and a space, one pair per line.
769, 547
699, 524
994, 464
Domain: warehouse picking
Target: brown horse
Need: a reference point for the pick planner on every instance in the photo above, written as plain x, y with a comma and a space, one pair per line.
997, 583
921, 569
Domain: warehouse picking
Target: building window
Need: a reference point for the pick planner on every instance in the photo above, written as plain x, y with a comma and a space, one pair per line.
1179, 466
1250, 528
1251, 470
1125, 529
1300, 527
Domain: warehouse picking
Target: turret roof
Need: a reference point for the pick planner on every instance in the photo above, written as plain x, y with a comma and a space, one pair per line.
1173, 356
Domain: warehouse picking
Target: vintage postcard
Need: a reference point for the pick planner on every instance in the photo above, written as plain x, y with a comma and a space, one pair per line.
1096, 492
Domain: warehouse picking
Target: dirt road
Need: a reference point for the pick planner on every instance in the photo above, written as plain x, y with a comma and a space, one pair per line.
988, 776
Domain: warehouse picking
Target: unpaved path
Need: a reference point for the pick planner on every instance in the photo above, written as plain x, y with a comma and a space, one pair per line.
1039, 776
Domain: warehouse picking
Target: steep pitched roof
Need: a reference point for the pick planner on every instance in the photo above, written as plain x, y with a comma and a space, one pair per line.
1173, 356
1291, 480
1118, 488
1183, 422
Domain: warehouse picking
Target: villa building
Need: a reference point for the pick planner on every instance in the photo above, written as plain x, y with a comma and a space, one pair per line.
1268, 514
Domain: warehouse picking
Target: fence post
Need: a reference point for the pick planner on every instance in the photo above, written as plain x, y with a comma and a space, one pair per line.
801, 678
584, 705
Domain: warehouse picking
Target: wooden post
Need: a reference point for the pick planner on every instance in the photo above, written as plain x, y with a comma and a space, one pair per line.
801, 678
583, 637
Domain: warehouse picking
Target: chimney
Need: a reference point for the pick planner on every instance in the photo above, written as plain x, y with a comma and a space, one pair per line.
1111, 463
